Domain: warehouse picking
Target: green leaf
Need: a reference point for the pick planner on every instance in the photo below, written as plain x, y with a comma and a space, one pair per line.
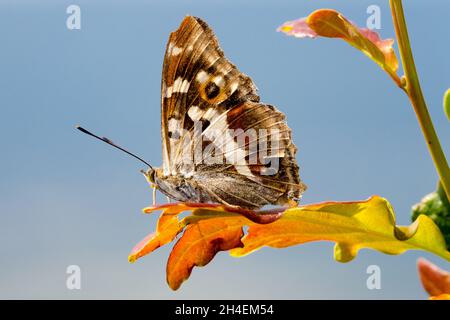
447, 103
351, 225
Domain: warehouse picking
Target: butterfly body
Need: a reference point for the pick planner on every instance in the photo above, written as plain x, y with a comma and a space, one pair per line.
180, 188
220, 144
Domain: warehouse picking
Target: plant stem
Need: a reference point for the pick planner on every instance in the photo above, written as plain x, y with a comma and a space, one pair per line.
415, 95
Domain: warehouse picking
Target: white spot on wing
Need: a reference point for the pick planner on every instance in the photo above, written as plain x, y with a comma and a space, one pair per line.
179, 85
195, 113
168, 92
211, 115
174, 129
219, 81
234, 86
173, 124
176, 51
202, 76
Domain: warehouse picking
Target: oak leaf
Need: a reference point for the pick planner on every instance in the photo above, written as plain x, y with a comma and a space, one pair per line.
351, 225
332, 24
434, 280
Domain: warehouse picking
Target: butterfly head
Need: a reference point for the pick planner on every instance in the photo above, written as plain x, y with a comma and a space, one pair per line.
149, 174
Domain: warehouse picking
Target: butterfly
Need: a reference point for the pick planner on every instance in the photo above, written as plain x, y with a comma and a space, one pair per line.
220, 144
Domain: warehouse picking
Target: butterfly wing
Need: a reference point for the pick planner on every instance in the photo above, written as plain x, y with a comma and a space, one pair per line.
199, 85
195, 74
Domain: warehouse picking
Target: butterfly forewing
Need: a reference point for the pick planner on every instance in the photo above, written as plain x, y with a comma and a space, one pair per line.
196, 74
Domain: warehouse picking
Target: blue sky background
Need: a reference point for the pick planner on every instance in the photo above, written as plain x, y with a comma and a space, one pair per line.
67, 199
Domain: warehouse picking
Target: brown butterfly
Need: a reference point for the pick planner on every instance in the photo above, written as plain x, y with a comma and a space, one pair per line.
219, 143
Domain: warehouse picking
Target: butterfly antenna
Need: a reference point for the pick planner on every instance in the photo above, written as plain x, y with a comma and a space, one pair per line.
106, 140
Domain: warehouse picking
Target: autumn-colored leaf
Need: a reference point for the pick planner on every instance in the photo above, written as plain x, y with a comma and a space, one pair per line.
443, 296
351, 225
167, 229
206, 233
298, 28
434, 280
332, 24
200, 243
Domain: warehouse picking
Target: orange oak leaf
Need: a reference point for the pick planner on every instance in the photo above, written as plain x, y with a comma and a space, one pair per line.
434, 280
444, 296
352, 226
332, 24
200, 243
168, 227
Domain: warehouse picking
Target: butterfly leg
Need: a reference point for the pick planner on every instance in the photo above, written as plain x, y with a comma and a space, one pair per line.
154, 194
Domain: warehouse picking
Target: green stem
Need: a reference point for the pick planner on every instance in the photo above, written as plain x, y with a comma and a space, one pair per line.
415, 95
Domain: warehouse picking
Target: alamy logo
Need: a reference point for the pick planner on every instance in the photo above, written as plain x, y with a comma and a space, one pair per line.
374, 20
218, 144
374, 280
73, 21
73, 281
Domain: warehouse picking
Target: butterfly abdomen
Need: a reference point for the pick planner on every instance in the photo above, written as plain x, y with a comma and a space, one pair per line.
181, 189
